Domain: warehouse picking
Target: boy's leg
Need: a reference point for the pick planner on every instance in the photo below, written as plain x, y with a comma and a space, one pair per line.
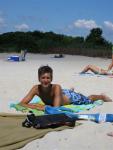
100, 97
110, 134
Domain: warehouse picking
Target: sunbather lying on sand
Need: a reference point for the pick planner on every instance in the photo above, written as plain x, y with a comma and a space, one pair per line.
111, 64
97, 70
53, 95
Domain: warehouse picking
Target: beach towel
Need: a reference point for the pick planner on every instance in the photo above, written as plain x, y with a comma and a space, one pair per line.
23, 109
72, 107
14, 136
80, 108
88, 74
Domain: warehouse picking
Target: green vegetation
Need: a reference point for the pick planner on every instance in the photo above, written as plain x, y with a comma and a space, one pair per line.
38, 42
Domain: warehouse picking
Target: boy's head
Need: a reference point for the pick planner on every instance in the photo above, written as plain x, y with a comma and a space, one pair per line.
45, 69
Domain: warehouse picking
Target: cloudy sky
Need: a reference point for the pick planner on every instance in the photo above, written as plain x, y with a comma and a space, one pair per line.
69, 17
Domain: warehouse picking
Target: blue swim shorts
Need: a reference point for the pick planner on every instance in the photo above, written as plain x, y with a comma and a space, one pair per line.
76, 98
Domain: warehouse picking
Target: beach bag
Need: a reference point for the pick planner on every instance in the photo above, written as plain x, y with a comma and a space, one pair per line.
48, 121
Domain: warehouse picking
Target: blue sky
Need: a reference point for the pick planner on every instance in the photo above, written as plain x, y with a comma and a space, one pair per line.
69, 17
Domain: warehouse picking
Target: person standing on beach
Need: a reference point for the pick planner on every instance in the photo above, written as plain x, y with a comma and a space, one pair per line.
54, 95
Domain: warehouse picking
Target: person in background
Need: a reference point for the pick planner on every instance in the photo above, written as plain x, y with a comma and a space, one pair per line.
96, 70
111, 64
23, 55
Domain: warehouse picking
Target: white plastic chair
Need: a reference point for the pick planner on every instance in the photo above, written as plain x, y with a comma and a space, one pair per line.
18, 58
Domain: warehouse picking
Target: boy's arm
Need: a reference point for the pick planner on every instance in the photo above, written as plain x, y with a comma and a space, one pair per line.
25, 101
58, 96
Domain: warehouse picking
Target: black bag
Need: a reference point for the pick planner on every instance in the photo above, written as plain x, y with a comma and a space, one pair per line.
47, 121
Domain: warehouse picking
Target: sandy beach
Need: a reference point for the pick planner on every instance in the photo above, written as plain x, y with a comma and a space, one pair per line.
17, 78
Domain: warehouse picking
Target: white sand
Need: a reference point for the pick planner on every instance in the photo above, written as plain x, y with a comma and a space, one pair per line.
16, 79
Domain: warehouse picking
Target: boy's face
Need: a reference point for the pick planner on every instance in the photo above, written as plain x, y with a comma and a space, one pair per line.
45, 79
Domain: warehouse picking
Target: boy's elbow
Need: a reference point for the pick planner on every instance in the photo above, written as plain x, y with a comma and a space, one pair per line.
22, 103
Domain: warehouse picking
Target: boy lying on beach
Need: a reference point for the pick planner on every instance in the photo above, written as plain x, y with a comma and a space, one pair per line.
97, 70
53, 95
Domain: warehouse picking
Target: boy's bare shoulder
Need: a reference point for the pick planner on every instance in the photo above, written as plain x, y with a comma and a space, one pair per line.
56, 85
35, 87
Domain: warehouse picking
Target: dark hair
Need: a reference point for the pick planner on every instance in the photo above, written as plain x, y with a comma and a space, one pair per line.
45, 69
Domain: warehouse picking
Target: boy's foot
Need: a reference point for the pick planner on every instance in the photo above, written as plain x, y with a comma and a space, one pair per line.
72, 88
106, 98
110, 134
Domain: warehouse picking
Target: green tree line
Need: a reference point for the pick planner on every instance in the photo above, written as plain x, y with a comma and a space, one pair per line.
49, 42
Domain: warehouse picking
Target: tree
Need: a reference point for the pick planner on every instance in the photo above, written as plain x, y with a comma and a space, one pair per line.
95, 38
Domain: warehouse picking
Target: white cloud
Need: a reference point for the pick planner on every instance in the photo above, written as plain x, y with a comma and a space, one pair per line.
2, 22
108, 24
22, 27
88, 24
